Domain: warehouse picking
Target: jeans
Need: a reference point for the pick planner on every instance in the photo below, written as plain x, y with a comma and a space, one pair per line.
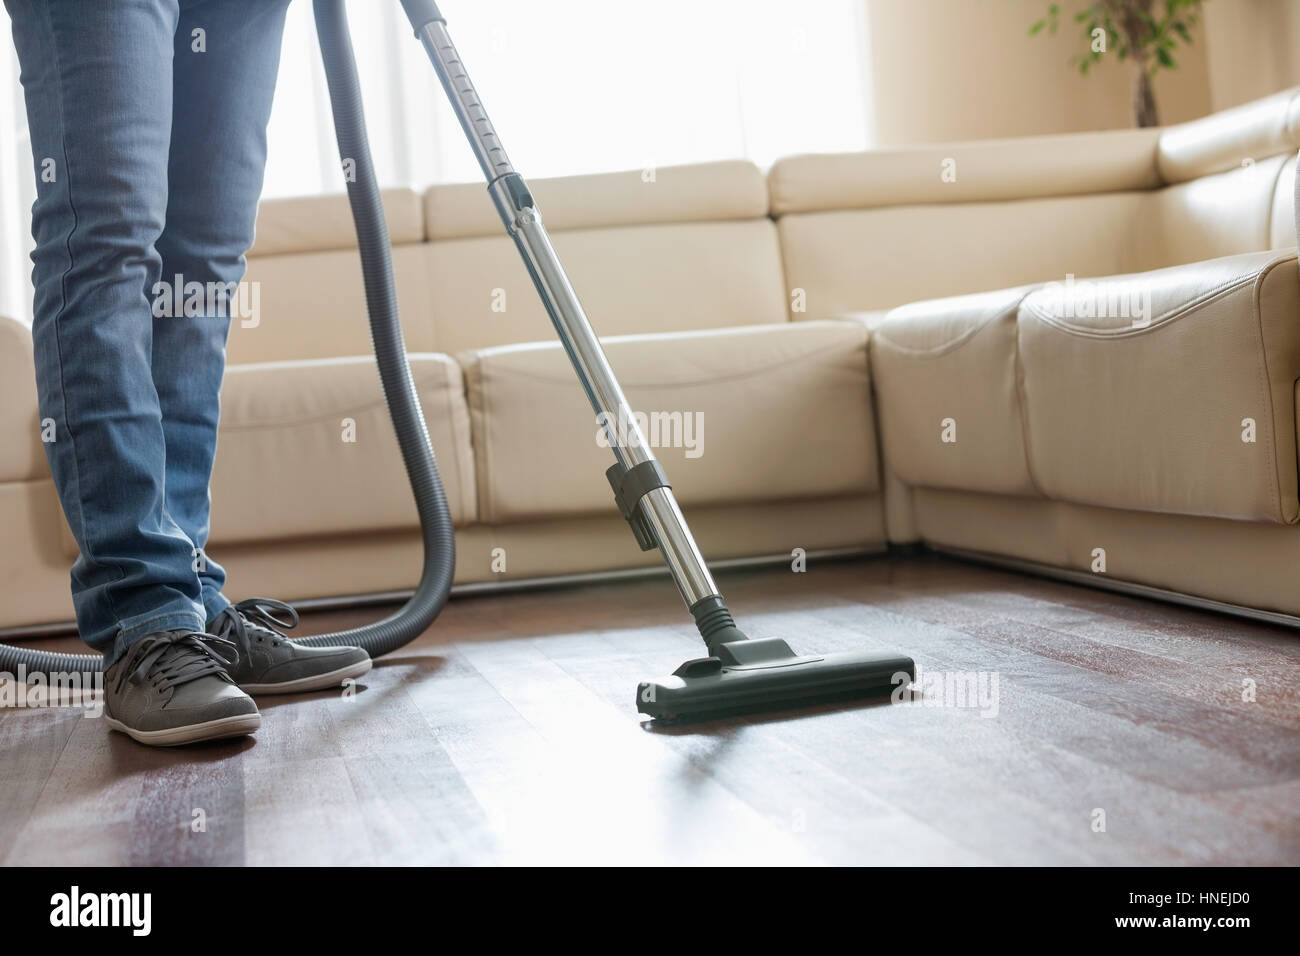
148, 130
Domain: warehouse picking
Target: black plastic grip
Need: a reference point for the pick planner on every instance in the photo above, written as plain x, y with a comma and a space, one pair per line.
630, 485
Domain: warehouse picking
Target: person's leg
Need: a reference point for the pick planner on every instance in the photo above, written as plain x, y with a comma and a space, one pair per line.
97, 76
227, 53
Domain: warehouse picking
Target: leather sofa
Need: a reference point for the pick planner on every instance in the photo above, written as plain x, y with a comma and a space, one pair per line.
1078, 354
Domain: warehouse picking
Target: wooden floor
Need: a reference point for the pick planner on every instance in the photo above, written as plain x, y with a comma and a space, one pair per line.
509, 735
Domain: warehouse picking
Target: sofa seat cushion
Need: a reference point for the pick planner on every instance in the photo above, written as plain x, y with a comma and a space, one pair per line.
307, 449
1169, 391
945, 373
758, 414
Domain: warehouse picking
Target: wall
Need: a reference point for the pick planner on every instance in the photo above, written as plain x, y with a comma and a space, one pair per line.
1254, 49
967, 69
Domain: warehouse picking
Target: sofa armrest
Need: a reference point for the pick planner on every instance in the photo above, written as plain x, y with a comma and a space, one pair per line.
1219, 142
1170, 391
21, 455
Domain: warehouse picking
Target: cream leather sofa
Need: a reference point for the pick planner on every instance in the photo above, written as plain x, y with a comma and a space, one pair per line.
1079, 352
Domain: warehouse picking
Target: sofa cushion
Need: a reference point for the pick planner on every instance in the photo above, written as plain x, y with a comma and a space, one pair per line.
690, 247
851, 260
312, 305
980, 171
741, 415
306, 449
321, 223
633, 279
700, 192
1178, 397
945, 374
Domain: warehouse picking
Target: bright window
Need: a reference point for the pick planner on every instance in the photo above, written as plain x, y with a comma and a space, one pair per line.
579, 86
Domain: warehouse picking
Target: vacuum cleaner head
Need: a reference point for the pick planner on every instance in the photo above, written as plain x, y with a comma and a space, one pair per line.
750, 674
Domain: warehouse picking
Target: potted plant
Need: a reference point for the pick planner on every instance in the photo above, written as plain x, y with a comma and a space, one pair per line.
1143, 32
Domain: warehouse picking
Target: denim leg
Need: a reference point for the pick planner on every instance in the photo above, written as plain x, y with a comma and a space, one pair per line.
97, 76
227, 53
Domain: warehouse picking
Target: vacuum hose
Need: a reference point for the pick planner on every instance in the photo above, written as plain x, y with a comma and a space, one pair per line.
431, 593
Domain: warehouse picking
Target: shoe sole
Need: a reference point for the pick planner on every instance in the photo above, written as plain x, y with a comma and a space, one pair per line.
239, 725
333, 678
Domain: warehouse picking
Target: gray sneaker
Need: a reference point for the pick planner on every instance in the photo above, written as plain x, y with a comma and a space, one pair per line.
171, 688
270, 663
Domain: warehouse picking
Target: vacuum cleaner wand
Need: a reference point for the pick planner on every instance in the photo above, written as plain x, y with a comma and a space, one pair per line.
738, 673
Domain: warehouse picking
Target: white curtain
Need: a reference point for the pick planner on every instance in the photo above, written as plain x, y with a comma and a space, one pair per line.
17, 189
573, 86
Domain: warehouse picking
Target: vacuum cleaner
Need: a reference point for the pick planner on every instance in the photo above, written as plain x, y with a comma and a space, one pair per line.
737, 673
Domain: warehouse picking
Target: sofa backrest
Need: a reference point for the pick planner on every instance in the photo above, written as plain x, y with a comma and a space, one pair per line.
874, 230
304, 270
1229, 185
690, 248
714, 245
672, 249
870, 231
1246, 208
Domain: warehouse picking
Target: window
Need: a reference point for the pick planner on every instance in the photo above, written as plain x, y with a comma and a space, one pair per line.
581, 86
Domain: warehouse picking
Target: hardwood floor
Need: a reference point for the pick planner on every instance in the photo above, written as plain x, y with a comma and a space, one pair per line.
508, 734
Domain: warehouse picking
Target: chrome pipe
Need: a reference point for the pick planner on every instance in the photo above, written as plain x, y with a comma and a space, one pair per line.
523, 221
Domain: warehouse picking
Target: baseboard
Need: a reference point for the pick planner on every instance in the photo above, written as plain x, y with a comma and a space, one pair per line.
1106, 583
343, 602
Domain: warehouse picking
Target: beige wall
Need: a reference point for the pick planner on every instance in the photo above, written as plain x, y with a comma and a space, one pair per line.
967, 69
1254, 49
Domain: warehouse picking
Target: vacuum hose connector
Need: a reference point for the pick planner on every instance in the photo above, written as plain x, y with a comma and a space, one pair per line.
715, 623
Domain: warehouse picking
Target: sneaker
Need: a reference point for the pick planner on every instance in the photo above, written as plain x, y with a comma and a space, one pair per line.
270, 663
171, 688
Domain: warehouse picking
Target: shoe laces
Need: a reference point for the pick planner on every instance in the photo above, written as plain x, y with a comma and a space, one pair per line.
255, 619
173, 658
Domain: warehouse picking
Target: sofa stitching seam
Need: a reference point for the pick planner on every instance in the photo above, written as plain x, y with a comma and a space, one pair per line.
486, 499
956, 343
697, 381
317, 418
1023, 400
1273, 464
457, 464
1166, 318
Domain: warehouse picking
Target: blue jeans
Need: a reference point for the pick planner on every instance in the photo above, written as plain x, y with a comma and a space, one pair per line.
148, 129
